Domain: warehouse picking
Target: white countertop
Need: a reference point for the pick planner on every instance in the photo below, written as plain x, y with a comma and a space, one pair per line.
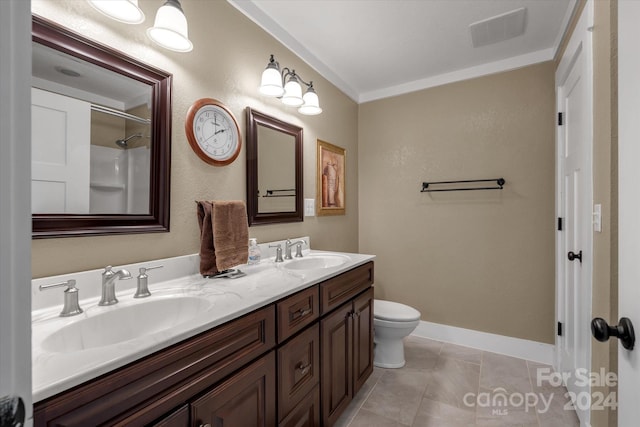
54, 372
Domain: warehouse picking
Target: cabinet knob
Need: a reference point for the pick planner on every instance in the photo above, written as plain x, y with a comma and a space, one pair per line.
205, 425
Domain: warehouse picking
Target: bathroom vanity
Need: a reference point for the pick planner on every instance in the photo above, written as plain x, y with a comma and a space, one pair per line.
290, 349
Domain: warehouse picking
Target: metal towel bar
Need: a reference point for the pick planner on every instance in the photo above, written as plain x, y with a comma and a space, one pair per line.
499, 182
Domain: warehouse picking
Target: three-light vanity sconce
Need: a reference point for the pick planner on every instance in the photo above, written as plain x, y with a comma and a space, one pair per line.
170, 31
285, 85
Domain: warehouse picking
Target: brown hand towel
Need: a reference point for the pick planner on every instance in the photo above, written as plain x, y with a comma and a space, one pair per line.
230, 233
207, 253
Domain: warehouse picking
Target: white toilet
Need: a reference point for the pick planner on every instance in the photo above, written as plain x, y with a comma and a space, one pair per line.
392, 322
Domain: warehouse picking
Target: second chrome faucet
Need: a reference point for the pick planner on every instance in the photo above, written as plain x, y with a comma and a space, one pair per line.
108, 284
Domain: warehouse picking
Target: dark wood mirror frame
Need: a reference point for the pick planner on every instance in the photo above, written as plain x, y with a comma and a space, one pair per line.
52, 35
255, 119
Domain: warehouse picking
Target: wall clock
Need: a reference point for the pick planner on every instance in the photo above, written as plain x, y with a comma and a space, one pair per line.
213, 132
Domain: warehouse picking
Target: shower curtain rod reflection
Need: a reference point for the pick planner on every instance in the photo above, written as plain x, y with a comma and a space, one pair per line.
499, 182
114, 112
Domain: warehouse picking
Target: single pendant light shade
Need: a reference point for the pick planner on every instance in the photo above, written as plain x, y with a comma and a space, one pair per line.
126, 11
271, 83
170, 28
292, 92
311, 106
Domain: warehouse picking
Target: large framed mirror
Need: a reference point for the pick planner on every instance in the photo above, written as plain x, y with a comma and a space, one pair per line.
274, 170
101, 138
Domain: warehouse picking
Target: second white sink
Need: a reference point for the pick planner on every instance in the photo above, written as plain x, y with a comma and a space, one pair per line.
124, 323
316, 262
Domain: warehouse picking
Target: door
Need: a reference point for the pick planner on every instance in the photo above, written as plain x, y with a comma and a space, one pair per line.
574, 203
362, 339
246, 399
60, 141
629, 204
15, 213
336, 370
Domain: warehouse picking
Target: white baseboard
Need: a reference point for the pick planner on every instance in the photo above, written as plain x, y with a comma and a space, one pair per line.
515, 347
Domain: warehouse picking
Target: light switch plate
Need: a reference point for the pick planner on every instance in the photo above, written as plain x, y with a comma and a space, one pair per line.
597, 218
309, 207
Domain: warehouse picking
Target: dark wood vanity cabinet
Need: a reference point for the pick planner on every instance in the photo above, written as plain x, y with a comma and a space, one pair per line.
295, 363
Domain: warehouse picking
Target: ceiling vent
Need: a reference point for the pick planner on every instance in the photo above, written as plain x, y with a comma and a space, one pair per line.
498, 28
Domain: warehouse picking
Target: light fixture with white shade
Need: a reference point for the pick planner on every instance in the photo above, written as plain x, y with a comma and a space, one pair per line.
273, 84
126, 11
170, 28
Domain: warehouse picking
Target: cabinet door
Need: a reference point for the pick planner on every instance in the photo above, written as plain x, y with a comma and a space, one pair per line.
246, 399
362, 339
336, 344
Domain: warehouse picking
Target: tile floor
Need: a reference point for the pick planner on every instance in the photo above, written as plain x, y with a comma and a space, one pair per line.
445, 385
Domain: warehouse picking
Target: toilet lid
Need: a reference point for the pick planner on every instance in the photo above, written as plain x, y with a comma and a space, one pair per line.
389, 310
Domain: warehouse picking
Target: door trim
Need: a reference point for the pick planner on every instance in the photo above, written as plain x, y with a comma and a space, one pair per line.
15, 209
580, 42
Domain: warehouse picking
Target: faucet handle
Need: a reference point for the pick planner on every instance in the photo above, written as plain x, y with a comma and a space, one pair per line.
143, 270
299, 248
278, 252
71, 306
143, 285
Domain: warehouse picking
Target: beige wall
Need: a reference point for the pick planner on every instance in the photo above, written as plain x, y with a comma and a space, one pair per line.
229, 55
481, 260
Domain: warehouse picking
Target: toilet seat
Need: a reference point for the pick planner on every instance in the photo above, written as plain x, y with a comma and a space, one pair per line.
394, 311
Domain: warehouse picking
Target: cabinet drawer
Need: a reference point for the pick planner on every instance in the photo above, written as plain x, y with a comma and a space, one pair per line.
342, 288
179, 418
296, 312
306, 413
298, 369
146, 389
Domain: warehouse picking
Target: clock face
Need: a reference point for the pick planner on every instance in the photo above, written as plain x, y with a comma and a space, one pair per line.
213, 132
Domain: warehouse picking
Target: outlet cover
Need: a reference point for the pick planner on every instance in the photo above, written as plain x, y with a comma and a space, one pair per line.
309, 207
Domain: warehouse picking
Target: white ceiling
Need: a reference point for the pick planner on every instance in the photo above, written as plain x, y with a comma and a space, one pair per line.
373, 49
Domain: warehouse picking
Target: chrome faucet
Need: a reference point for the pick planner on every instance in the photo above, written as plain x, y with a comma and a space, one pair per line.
287, 248
108, 284
71, 306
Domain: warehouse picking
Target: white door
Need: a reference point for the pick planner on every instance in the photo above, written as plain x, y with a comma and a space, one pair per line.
15, 211
574, 203
629, 205
60, 142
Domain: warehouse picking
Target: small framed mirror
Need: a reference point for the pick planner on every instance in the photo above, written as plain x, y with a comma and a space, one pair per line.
274, 170
101, 138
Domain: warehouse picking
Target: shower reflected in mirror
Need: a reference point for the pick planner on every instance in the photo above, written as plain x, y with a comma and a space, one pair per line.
123, 143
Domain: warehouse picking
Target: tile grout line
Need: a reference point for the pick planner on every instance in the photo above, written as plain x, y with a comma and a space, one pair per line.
365, 399
479, 378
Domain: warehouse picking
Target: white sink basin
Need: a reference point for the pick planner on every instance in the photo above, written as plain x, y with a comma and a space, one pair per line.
316, 262
123, 323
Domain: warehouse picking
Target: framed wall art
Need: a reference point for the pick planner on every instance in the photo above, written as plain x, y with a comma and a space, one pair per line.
330, 179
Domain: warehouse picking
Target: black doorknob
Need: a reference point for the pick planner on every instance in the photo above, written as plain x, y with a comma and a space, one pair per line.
573, 256
623, 331
12, 411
